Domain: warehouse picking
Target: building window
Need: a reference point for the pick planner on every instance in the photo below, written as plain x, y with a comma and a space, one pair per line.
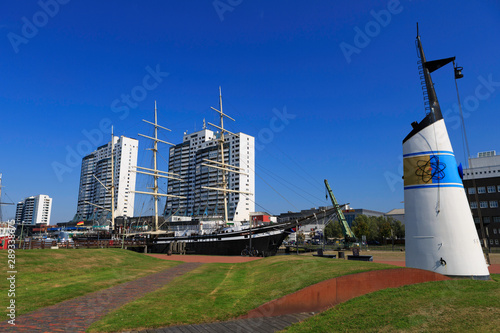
481, 190
495, 231
491, 189
496, 219
498, 188
473, 205
486, 219
496, 241
491, 241
483, 204
493, 204
472, 190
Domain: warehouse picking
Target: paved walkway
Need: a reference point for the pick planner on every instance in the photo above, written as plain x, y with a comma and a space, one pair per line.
204, 259
77, 314
257, 325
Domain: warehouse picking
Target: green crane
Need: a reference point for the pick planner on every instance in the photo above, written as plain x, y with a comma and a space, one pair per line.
346, 230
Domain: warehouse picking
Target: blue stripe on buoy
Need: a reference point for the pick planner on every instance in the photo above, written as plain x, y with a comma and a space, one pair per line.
433, 186
437, 152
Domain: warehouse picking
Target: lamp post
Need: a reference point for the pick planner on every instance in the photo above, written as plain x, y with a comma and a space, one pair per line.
21, 237
123, 231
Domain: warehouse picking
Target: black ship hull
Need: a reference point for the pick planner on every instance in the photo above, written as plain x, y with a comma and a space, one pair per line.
264, 241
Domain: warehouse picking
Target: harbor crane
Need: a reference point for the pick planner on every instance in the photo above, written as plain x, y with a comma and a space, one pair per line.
349, 236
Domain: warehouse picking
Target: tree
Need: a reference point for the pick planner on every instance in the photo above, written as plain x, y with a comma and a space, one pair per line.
333, 230
360, 226
374, 230
399, 229
384, 228
300, 237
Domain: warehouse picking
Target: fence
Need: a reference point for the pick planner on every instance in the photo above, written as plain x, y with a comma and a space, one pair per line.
77, 244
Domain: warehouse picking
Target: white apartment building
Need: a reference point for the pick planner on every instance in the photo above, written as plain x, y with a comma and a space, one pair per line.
482, 183
96, 175
34, 210
187, 158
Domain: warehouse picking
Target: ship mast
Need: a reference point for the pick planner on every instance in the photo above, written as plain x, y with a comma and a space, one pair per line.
155, 172
222, 164
425, 69
431, 104
1, 203
221, 142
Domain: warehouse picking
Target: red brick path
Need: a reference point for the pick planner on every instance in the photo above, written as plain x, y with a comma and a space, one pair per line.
77, 314
325, 294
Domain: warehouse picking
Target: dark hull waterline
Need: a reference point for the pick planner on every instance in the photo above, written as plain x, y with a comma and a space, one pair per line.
265, 241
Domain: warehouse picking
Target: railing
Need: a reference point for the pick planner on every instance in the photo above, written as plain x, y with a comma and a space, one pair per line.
78, 244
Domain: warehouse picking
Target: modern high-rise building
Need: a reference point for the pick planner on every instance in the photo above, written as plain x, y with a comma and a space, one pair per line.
95, 180
482, 183
188, 160
34, 210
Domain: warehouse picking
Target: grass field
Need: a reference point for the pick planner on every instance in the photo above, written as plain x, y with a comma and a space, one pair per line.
46, 277
445, 306
215, 292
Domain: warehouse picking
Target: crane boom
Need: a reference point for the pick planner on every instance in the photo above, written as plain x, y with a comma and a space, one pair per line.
346, 230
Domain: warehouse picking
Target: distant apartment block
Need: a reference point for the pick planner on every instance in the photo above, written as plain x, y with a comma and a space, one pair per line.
187, 158
34, 210
96, 176
482, 184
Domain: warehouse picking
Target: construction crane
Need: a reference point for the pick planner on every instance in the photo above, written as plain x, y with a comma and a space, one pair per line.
349, 236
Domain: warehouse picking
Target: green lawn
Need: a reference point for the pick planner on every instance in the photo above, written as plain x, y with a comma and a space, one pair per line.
215, 292
444, 306
222, 291
46, 277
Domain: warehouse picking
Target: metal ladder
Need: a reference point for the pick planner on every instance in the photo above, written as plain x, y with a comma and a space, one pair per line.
427, 105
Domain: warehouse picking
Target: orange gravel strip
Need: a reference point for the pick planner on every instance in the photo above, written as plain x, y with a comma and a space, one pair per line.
204, 259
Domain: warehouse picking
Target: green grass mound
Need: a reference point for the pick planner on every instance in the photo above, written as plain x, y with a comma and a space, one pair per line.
444, 306
215, 292
47, 277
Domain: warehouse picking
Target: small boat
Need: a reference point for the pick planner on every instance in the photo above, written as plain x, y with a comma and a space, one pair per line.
440, 231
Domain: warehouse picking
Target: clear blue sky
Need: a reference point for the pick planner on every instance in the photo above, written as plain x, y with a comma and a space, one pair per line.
65, 72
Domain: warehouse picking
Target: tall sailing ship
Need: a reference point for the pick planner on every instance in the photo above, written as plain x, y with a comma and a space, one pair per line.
440, 231
217, 235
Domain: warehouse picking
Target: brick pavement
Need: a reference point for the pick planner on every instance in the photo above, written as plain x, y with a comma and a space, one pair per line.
77, 314
249, 325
